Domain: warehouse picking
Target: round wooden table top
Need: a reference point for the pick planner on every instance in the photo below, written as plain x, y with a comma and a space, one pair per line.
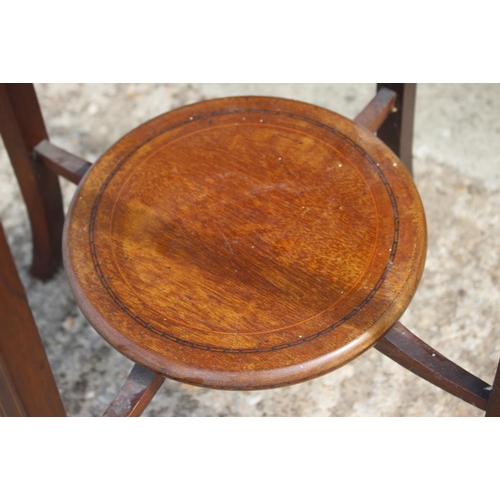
245, 243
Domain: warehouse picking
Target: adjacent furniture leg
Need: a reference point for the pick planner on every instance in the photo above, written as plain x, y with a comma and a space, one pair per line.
397, 130
27, 385
22, 128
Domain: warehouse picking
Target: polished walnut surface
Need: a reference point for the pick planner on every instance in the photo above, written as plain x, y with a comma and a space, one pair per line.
245, 243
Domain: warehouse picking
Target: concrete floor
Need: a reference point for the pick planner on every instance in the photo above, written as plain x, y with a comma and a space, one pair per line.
457, 171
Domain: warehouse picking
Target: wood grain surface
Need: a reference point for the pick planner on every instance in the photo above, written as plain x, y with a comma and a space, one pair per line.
245, 243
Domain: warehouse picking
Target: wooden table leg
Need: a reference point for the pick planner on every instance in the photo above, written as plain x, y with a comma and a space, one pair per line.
27, 385
22, 128
493, 408
397, 130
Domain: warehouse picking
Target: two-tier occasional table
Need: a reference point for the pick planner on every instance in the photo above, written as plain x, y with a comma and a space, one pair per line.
245, 243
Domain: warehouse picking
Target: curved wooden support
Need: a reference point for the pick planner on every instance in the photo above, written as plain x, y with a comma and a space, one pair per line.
22, 128
61, 162
136, 393
377, 110
415, 355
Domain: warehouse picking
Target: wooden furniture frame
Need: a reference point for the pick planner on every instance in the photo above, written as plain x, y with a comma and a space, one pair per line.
37, 163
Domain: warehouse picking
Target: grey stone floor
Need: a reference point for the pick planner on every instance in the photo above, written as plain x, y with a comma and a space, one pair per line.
457, 171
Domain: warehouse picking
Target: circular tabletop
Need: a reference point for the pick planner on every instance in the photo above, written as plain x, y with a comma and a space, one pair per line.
245, 243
